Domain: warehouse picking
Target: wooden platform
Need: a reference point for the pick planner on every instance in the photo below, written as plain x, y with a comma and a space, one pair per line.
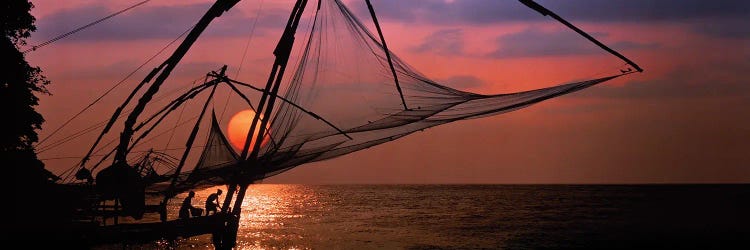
147, 232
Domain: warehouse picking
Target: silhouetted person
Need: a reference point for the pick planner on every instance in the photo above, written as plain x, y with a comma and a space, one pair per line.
212, 203
187, 206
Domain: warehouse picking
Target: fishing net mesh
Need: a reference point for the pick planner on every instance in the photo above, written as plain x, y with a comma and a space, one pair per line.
344, 77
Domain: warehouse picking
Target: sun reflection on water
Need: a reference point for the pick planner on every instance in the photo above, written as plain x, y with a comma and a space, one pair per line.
274, 215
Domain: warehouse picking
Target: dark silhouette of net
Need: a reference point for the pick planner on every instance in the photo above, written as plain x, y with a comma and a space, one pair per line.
344, 77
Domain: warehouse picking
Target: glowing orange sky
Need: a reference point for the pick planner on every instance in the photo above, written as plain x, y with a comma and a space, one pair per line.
685, 119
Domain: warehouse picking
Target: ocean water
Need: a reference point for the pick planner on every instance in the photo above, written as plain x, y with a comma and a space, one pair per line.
484, 217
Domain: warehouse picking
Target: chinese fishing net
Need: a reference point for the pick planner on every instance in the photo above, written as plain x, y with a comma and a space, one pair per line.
344, 77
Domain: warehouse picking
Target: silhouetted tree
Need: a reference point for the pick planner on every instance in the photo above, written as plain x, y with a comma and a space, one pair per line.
32, 196
19, 84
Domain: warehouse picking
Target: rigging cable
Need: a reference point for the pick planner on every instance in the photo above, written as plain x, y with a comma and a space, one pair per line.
165, 132
98, 125
137, 151
179, 118
244, 54
70, 171
91, 128
113, 87
35, 47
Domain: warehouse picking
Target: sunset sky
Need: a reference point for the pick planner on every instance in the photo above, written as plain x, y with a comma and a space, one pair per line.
684, 120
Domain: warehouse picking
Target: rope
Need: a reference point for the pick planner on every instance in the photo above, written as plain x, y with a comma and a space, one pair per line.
35, 47
177, 123
138, 151
113, 87
99, 124
70, 171
244, 54
165, 132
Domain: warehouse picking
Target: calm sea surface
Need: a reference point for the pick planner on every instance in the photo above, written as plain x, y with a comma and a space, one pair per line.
485, 217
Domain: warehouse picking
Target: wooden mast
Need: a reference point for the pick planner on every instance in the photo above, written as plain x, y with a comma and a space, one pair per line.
191, 139
266, 103
387, 52
163, 71
219, 7
227, 239
546, 12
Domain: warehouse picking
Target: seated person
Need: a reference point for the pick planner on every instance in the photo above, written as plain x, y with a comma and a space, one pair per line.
212, 203
187, 207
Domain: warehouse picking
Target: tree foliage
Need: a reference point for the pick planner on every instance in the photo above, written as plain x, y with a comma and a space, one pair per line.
20, 83
17, 21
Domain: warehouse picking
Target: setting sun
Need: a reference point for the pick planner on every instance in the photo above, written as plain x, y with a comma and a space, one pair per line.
238, 127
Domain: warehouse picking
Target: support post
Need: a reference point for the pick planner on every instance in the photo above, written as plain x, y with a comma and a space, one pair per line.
387, 53
227, 238
219, 7
189, 143
283, 51
546, 12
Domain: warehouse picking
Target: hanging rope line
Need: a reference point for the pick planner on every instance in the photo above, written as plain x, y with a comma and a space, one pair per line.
165, 132
100, 124
244, 55
340, 61
136, 151
67, 174
113, 87
35, 47
177, 123
75, 135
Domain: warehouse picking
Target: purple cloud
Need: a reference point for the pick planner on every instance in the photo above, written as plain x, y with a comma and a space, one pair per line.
443, 42
148, 22
733, 28
534, 43
480, 12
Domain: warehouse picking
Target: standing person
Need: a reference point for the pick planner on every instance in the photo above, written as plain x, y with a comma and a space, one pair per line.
187, 206
212, 203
